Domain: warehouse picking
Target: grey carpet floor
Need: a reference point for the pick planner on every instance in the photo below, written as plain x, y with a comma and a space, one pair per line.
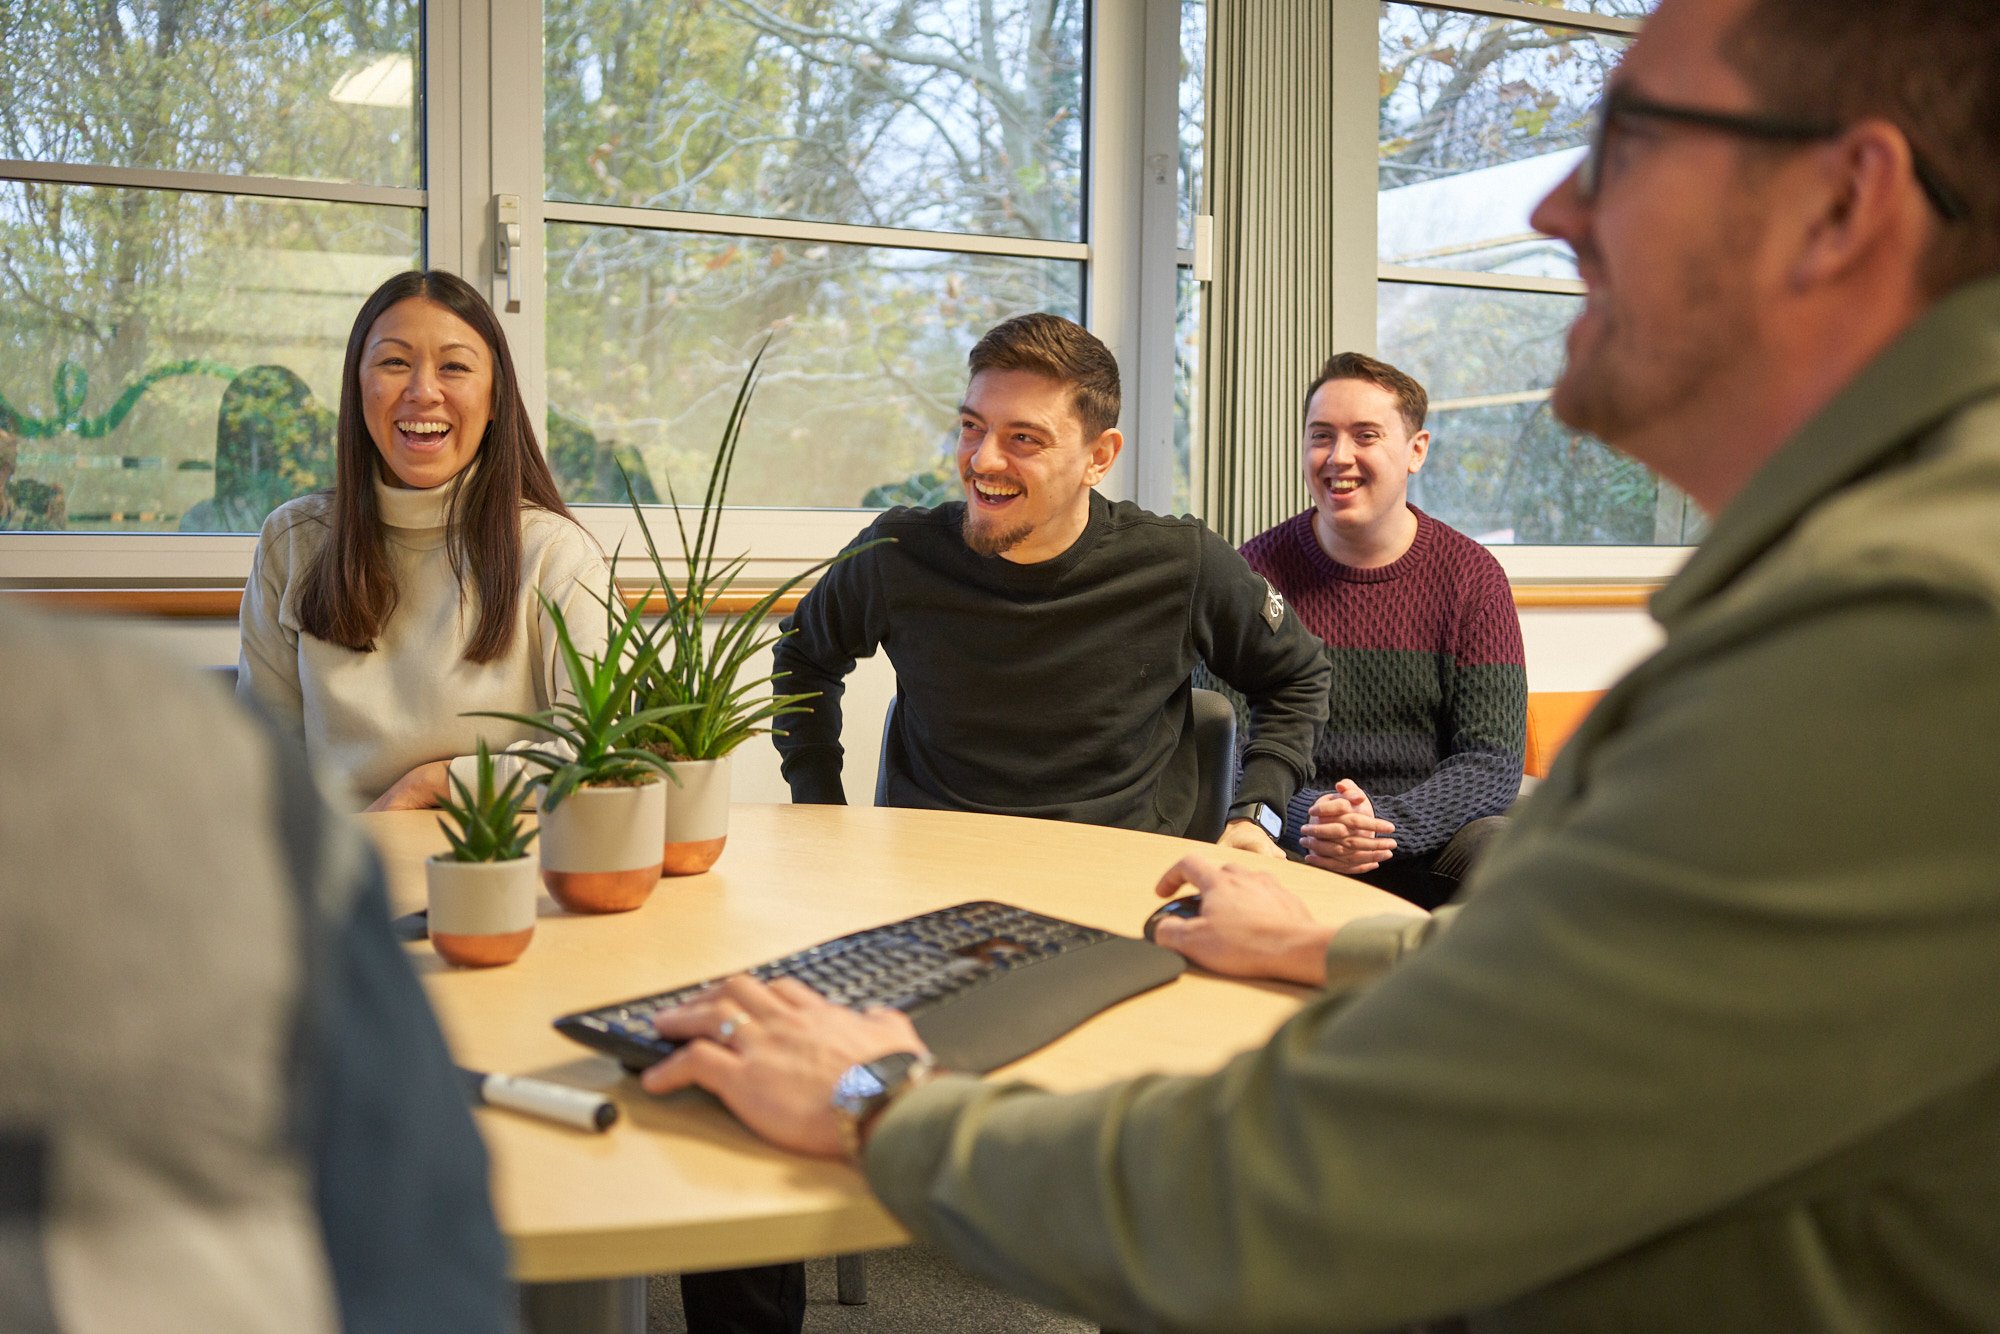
911, 1290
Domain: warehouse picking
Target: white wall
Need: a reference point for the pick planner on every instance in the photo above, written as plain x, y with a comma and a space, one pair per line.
1569, 648
1584, 648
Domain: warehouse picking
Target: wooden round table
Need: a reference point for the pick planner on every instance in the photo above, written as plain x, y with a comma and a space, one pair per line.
678, 1184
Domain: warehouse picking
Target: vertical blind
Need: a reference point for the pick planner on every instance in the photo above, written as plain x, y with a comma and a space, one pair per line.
1269, 315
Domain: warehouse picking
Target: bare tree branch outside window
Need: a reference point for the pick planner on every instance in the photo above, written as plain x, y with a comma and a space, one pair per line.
1480, 117
936, 115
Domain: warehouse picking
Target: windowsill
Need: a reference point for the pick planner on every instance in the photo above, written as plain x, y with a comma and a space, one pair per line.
782, 543
217, 604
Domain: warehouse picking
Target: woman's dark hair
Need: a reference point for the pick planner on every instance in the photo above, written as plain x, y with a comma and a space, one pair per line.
348, 592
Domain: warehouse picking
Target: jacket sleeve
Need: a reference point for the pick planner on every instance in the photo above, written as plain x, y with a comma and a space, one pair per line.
1684, 981
841, 618
1487, 726
399, 1171
1271, 659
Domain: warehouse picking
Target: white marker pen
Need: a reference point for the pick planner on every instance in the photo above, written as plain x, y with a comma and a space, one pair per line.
541, 1097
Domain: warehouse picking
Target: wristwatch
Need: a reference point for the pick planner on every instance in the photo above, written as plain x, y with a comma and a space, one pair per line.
864, 1092
1267, 819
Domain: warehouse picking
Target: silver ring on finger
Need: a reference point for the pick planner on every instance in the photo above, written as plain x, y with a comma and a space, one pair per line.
727, 1028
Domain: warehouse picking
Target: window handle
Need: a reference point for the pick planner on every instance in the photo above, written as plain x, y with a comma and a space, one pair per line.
507, 246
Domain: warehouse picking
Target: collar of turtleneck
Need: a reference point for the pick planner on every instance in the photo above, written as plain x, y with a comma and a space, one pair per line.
402, 507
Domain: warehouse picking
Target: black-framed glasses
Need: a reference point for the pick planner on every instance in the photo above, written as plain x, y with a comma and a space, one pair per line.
1620, 103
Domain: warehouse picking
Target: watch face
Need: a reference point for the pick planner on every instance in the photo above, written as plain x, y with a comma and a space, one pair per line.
857, 1084
1270, 822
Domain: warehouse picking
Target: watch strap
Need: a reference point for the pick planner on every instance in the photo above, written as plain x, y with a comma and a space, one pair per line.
1261, 815
865, 1091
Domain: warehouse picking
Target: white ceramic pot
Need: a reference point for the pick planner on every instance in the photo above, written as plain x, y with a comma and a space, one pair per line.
601, 846
697, 815
481, 913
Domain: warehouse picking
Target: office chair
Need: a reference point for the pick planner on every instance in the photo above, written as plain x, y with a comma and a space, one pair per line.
1213, 734
881, 769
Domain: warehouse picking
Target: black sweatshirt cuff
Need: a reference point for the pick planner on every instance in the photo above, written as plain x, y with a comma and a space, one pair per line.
816, 784
1266, 779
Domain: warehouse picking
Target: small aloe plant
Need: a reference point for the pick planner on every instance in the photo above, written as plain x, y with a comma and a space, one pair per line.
600, 719
489, 821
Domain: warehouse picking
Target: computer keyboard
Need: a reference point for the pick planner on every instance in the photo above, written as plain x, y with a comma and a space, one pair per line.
985, 983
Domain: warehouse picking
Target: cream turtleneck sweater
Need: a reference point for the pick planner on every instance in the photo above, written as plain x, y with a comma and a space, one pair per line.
369, 718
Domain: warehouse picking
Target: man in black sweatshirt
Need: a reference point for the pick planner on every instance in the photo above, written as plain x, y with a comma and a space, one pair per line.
1044, 637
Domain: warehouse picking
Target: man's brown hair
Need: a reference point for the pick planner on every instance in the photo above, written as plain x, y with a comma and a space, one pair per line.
1063, 351
1411, 400
1932, 67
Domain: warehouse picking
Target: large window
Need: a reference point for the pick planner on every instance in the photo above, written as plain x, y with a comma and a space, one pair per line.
196, 194
1481, 116
859, 188
1192, 102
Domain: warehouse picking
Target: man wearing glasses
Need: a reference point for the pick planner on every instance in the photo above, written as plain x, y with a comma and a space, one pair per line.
1711, 1041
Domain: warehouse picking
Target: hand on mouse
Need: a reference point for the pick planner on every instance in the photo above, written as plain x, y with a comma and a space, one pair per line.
1250, 925
773, 1053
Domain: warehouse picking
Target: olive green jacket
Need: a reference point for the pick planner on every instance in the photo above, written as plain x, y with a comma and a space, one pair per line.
1714, 1045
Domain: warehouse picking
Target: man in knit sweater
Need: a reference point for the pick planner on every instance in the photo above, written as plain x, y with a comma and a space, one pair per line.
1428, 706
1043, 637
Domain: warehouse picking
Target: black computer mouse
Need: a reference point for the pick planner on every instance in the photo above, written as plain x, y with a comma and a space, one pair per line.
1187, 905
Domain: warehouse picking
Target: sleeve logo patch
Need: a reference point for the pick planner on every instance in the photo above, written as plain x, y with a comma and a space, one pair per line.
1274, 607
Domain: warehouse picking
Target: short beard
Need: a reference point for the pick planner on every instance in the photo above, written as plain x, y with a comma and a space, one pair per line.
992, 542
1632, 377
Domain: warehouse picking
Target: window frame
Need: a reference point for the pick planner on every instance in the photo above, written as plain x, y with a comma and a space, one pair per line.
481, 93
1525, 563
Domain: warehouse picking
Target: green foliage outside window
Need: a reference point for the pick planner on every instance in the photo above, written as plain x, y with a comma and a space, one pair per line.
107, 287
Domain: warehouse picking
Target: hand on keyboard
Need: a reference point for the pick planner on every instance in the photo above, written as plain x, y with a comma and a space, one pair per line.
772, 1054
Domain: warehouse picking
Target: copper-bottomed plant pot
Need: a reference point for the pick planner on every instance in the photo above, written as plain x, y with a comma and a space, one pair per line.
697, 815
692, 858
483, 950
601, 847
602, 891
481, 914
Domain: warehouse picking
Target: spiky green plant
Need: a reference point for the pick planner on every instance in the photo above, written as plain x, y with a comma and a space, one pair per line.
599, 722
714, 712
489, 821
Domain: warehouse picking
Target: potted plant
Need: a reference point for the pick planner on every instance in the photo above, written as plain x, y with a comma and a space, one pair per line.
710, 711
483, 892
603, 803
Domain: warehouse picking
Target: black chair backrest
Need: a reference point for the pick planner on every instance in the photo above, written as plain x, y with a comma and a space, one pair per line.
881, 765
1214, 734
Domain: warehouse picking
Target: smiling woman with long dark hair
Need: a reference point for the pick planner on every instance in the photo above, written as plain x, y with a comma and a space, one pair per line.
380, 612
